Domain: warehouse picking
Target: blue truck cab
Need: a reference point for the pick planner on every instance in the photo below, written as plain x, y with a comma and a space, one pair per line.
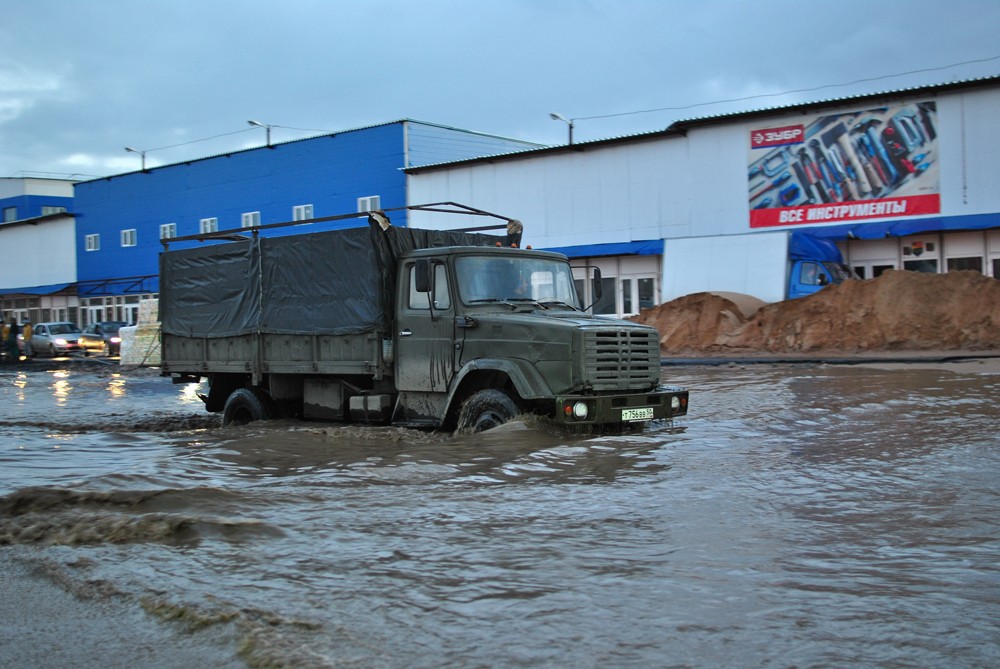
812, 264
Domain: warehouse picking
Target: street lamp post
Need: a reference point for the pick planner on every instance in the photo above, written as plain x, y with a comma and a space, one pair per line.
142, 154
266, 127
568, 121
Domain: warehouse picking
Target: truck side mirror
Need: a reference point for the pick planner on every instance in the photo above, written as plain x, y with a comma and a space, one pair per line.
596, 286
822, 280
422, 276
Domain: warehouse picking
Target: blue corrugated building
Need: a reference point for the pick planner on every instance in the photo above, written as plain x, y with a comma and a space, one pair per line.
26, 198
121, 219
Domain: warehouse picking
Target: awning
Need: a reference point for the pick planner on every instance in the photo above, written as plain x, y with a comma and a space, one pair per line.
651, 247
149, 283
51, 289
904, 228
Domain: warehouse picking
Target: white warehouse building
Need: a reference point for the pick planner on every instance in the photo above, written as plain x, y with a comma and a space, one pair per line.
905, 179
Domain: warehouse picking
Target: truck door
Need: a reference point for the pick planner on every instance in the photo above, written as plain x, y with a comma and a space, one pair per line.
425, 337
806, 277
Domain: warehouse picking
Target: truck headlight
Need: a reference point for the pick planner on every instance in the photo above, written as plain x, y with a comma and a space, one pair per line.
578, 410
675, 403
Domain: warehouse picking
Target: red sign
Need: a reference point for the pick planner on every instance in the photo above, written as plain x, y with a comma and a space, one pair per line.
846, 212
768, 137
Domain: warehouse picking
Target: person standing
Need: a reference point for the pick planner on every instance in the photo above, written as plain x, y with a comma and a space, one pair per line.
11, 343
4, 330
26, 332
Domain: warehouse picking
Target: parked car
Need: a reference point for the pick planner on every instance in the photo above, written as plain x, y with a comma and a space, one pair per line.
56, 339
102, 336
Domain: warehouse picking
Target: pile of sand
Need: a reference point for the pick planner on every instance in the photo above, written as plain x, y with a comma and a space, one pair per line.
898, 311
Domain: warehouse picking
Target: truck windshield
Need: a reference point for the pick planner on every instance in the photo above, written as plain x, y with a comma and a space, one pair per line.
838, 273
492, 278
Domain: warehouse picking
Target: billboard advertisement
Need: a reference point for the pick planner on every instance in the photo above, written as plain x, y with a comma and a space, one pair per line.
845, 168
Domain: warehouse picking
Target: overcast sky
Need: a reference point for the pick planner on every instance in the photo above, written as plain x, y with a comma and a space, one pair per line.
179, 79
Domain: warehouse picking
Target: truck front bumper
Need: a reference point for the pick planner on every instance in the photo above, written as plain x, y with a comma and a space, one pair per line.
665, 402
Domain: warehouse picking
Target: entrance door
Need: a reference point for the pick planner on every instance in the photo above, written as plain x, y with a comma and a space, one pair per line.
638, 293
425, 337
129, 313
94, 315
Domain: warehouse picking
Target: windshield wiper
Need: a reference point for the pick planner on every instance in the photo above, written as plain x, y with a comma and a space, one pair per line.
527, 299
492, 300
558, 303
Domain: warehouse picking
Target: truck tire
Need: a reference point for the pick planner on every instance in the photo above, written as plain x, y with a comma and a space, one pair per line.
245, 405
221, 386
486, 409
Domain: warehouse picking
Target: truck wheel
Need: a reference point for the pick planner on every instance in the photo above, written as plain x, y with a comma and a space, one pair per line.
486, 409
245, 405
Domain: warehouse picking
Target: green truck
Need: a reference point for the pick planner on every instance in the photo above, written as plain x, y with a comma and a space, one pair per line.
454, 330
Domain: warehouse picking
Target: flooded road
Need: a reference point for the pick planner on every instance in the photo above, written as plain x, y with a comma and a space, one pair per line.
800, 516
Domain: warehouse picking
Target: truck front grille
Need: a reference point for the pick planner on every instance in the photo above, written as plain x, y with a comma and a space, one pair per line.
621, 358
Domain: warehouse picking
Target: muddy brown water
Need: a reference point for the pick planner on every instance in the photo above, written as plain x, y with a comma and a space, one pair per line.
800, 516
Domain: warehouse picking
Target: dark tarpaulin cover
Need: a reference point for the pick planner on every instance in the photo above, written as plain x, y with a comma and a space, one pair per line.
321, 282
334, 282
209, 290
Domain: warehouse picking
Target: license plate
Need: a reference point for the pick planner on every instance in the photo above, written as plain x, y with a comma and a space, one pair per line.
645, 413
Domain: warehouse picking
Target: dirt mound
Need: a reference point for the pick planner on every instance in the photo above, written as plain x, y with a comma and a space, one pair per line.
898, 311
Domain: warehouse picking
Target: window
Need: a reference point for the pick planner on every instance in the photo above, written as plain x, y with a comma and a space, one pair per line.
128, 237
812, 274
168, 230
647, 293
606, 305
93, 242
370, 203
486, 279
9, 214
442, 299
973, 263
47, 211
250, 219
581, 287
302, 212
209, 225
927, 266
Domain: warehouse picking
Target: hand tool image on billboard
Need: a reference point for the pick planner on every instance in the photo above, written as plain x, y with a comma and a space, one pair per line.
773, 164
836, 137
774, 184
789, 195
813, 175
868, 130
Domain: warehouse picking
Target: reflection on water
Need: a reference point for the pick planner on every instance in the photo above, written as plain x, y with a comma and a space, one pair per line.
61, 387
189, 395
20, 381
800, 516
117, 385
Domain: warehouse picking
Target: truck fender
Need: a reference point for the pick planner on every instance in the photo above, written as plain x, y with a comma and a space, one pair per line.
523, 375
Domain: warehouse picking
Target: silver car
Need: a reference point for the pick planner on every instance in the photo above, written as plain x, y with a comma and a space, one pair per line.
56, 339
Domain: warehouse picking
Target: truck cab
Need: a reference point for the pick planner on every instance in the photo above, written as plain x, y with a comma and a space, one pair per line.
808, 276
490, 331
